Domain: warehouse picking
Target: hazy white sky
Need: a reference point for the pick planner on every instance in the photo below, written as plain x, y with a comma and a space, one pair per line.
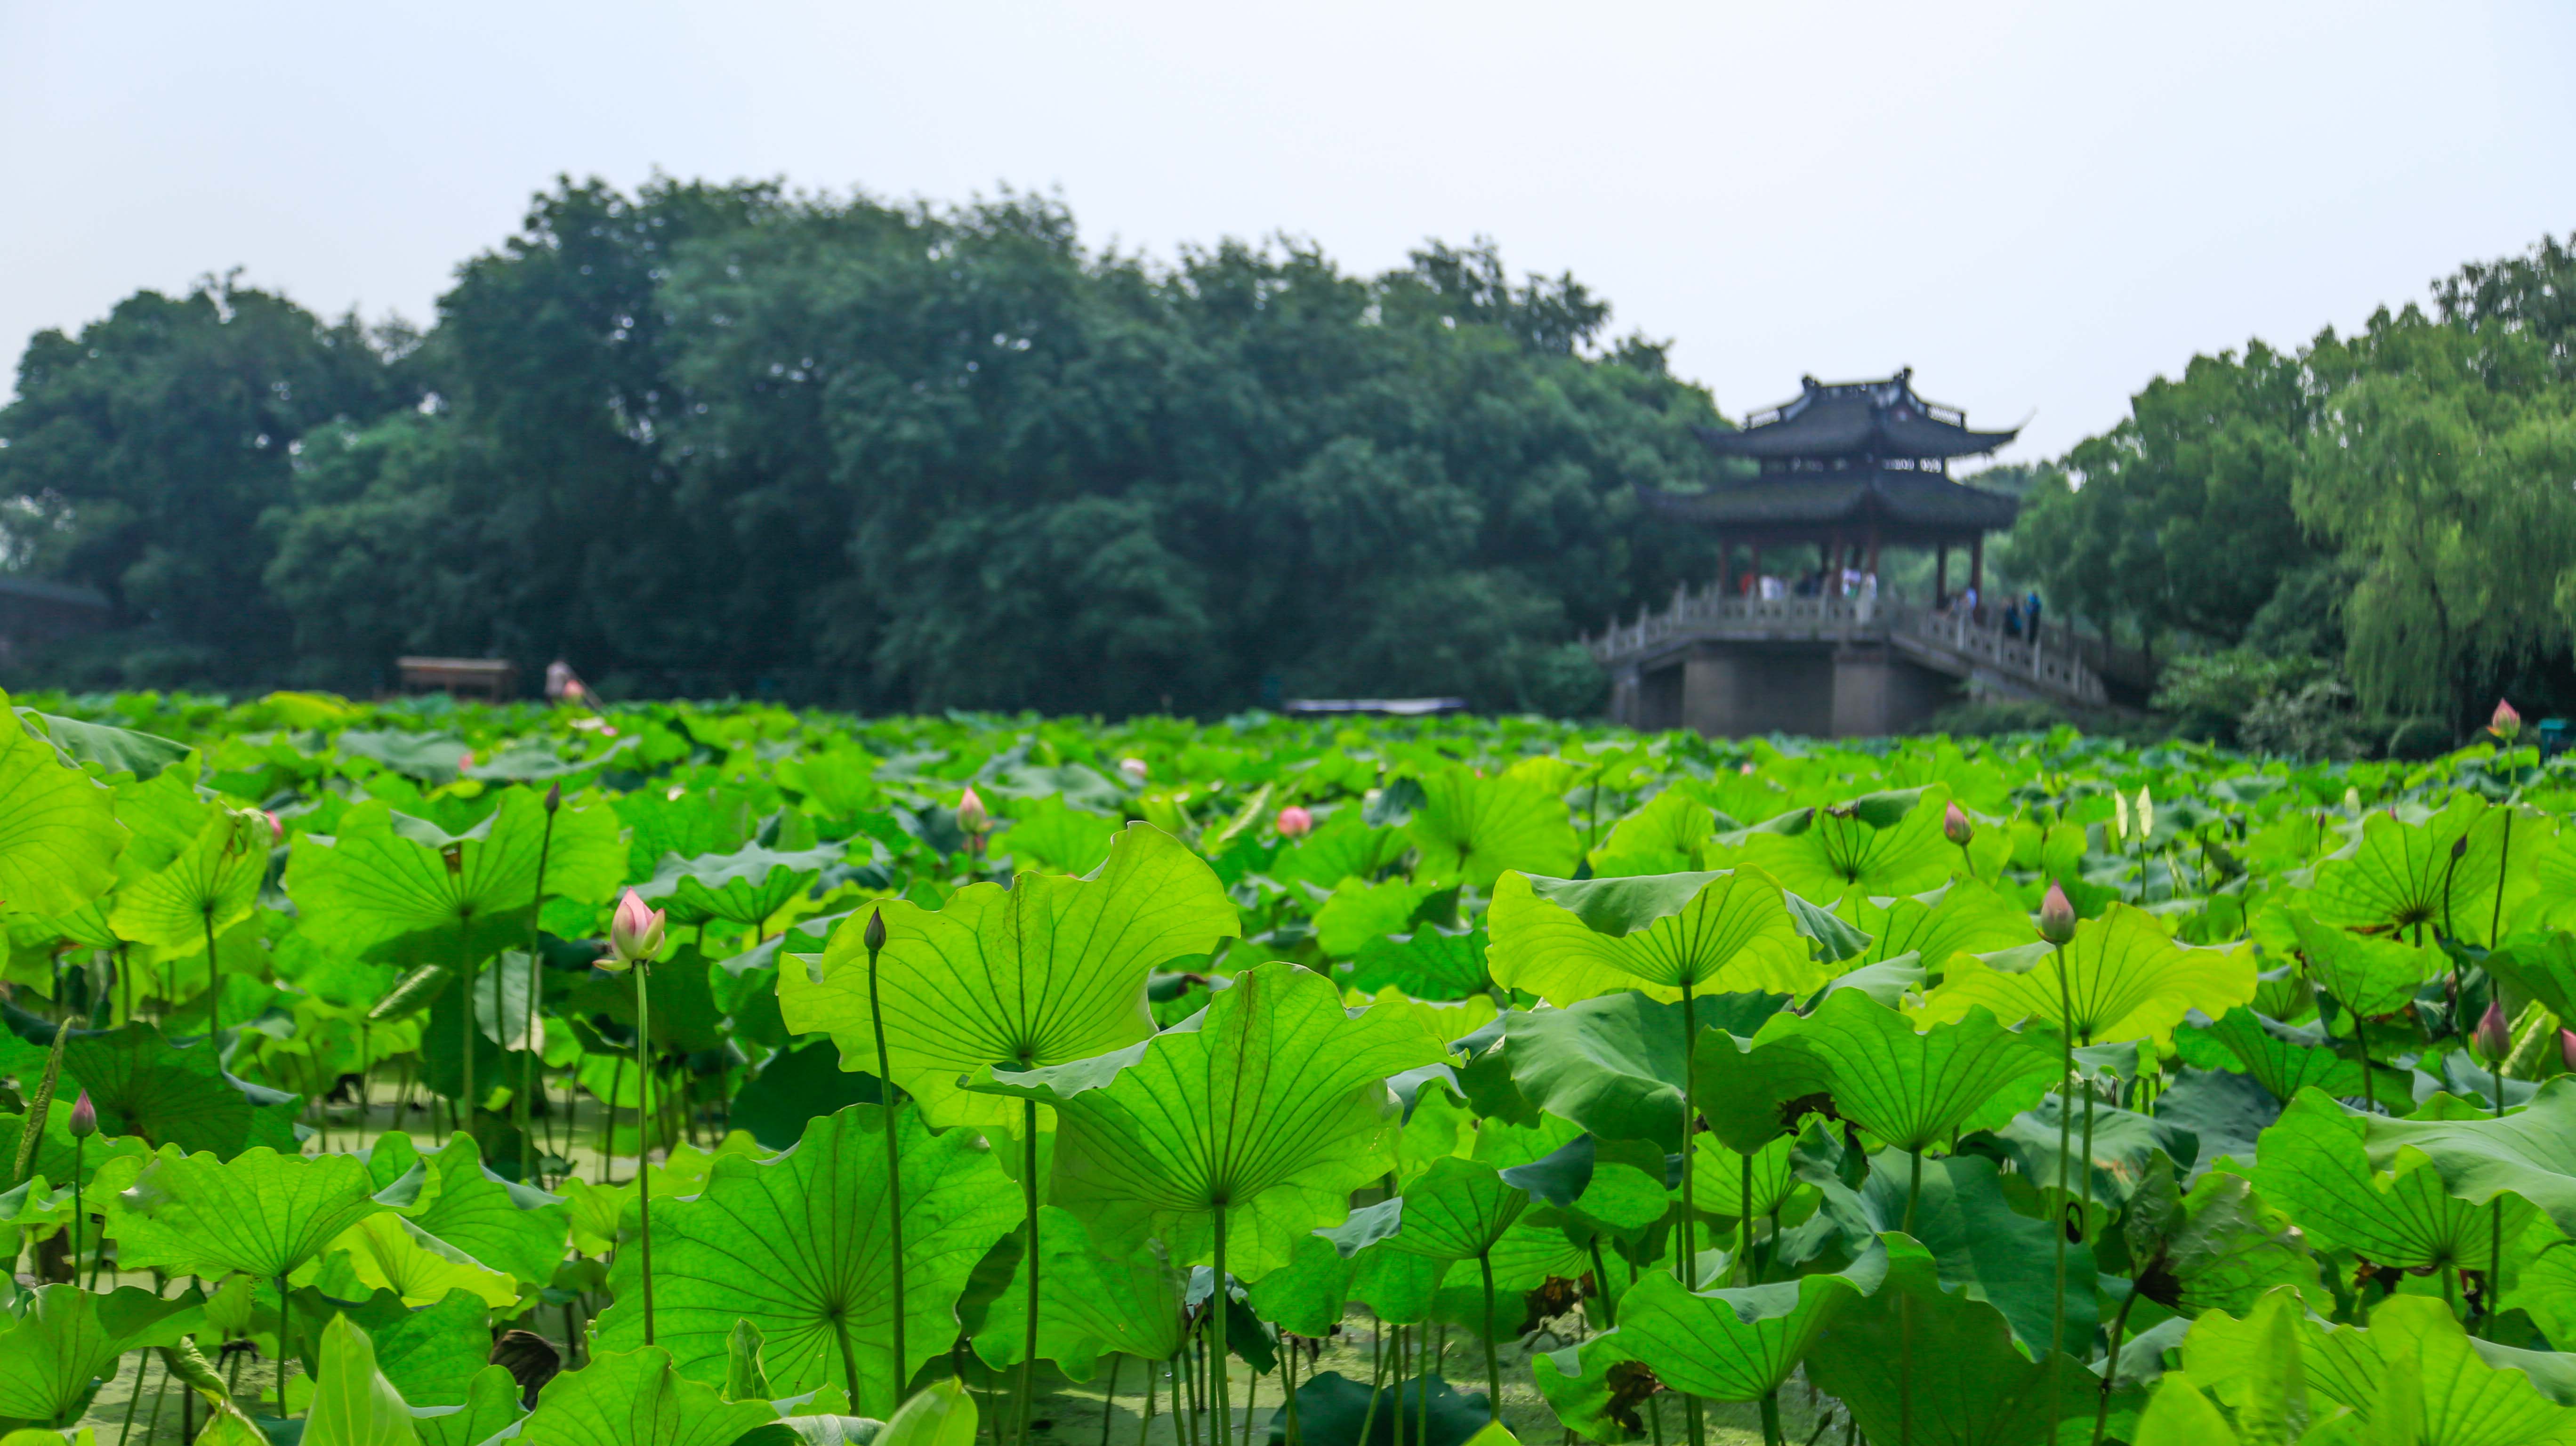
2038, 206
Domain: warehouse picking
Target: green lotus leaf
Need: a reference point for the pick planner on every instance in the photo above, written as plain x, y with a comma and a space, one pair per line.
58, 831
798, 1246
1344, 845
1884, 844
1474, 829
1670, 827
795, 1087
1270, 1105
2412, 1375
2256, 1366
1334, 1410
2404, 877
261, 1213
2283, 1058
2124, 980
636, 1398
1969, 1384
403, 890
510, 1227
2129, 1149
387, 1252
1567, 940
1981, 1247
1739, 1344
55, 1345
1909, 1086
2541, 964
353, 1403
743, 887
2367, 975
491, 1406
1361, 912
1718, 1177
1457, 1210
1308, 1294
1431, 963
1615, 1065
1049, 833
2529, 1153
432, 1354
2219, 1247
1088, 1305
109, 749
210, 885
1966, 917
1047, 971
2317, 1164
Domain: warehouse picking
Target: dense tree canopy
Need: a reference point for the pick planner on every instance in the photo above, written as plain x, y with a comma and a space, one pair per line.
719, 438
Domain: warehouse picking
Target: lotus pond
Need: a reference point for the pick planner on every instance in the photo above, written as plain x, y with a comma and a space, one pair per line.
1408, 1083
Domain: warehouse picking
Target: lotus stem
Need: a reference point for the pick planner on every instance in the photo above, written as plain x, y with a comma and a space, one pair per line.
1029, 1191
1745, 1204
875, 940
1493, 1371
1771, 1418
1377, 1378
531, 1076
283, 1311
2111, 1366
2065, 1124
1108, 1398
1217, 1312
1601, 1287
643, 1129
465, 1032
1144, 1423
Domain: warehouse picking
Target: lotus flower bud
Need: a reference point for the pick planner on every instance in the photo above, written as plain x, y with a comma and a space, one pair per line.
971, 814
464, 761
1135, 770
276, 827
874, 936
84, 1122
1295, 822
2146, 813
635, 934
2119, 814
554, 798
2459, 848
1955, 826
2567, 1049
2056, 915
2506, 724
2494, 1037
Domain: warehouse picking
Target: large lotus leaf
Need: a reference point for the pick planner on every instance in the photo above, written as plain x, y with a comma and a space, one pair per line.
167, 1094
2128, 1149
1883, 844
635, 1398
1473, 829
1567, 940
2541, 964
1430, 963
353, 1403
1046, 832
1334, 1410
387, 1252
2124, 979
1970, 1386
1088, 1305
491, 1406
54, 1347
404, 890
2404, 875
1344, 845
2530, 1152
430, 1354
2367, 975
1966, 917
1270, 1105
109, 749
1616, 1065
1308, 1294
1662, 837
794, 1087
1740, 1344
510, 1227
261, 1213
1909, 1086
2219, 1247
1718, 1176
1980, 1245
2413, 1374
1047, 971
1457, 1210
210, 885
58, 831
798, 1246
743, 887
1361, 911
2283, 1058
2317, 1165
2257, 1365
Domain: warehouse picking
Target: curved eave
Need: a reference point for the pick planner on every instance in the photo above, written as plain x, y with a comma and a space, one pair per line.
1818, 432
1913, 500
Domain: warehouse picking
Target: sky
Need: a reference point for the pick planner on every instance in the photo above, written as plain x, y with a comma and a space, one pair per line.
2039, 207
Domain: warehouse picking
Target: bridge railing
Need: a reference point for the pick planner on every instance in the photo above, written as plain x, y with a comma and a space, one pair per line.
2054, 668
1697, 611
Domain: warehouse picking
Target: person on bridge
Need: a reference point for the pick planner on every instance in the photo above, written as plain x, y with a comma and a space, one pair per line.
2030, 606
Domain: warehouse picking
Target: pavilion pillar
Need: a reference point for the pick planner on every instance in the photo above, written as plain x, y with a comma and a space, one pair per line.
1940, 571
1977, 566
1872, 567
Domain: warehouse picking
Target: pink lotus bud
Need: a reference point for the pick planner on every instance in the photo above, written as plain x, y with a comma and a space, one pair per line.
554, 798
84, 1121
635, 934
2506, 724
2567, 1049
276, 827
2056, 915
1295, 822
1955, 826
971, 815
464, 761
2494, 1038
1135, 770
1745, 769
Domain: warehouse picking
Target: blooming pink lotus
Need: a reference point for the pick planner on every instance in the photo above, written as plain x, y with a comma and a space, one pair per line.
1295, 822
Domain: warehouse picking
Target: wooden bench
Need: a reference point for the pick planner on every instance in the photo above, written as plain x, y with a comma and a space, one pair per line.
494, 678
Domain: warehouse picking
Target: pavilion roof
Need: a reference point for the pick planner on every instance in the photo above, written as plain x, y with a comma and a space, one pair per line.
1905, 500
1872, 419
